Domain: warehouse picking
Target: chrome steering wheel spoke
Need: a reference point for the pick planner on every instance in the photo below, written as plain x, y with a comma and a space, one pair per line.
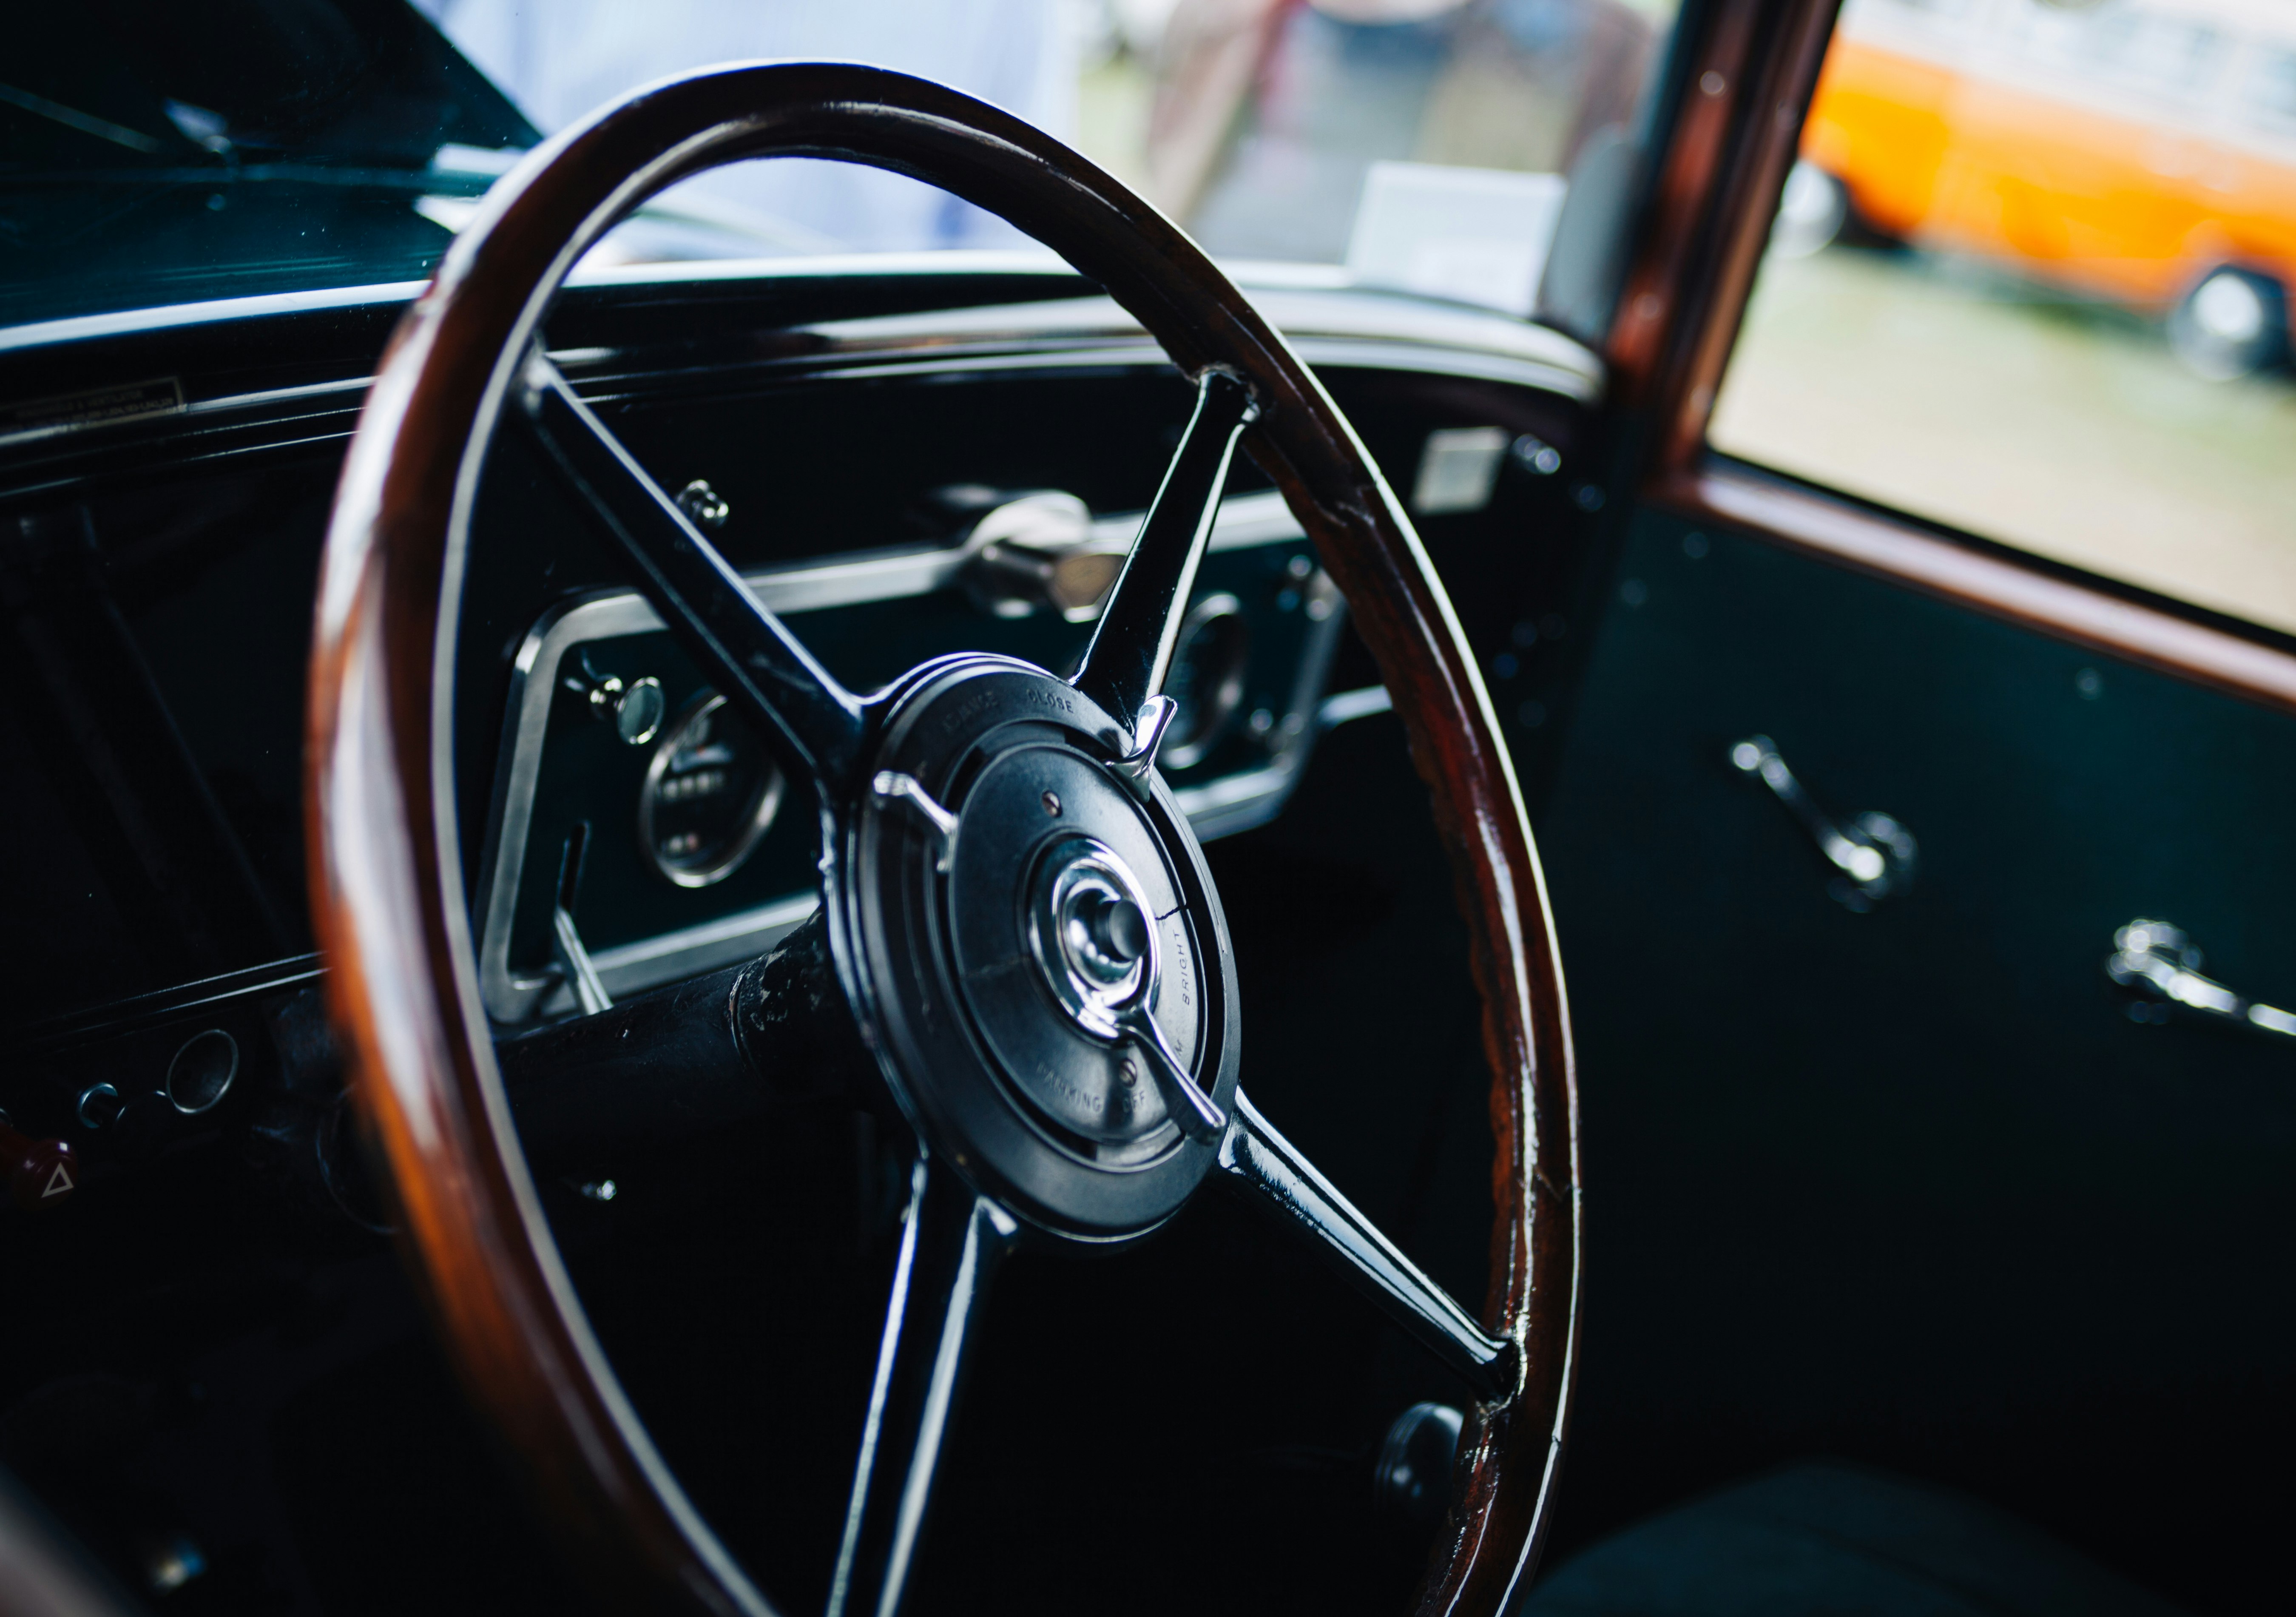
748, 653
1132, 647
1280, 1180
952, 1243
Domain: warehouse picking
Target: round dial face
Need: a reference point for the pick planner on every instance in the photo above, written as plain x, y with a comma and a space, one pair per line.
712, 789
1210, 659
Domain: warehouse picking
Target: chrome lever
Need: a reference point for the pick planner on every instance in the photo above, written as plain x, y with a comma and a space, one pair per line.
2159, 961
892, 786
1148, 730
1874, 854
574, 962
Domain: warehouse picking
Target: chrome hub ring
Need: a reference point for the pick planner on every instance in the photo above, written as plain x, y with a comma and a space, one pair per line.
1093, 932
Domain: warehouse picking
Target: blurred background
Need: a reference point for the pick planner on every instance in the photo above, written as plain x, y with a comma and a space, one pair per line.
2028, 279
1444, 147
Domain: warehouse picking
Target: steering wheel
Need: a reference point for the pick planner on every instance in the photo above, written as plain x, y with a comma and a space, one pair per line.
1019, 944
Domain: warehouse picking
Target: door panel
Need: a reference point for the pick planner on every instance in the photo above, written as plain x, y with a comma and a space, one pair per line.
1910, 1187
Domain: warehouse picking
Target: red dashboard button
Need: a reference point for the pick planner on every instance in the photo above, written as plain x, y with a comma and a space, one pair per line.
41, 1173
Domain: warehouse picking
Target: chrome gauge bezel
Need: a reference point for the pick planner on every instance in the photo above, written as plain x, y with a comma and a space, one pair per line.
761, 811
1215, 709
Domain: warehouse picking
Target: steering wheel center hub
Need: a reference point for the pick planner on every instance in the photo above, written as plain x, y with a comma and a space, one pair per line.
1030, 935
1091, 929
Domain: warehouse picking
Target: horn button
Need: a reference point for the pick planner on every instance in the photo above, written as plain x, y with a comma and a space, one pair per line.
1091, 928
1068, 901
1062, 923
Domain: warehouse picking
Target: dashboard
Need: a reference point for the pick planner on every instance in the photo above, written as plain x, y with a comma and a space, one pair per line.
903, 459
627, 788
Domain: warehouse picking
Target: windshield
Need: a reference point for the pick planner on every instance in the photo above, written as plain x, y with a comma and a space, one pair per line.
156, 153
1471, 149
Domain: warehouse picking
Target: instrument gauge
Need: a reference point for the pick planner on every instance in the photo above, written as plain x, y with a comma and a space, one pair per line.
711, 790
1210, 659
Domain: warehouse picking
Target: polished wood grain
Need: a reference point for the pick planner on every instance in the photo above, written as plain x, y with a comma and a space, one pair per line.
1758, 85
1751, 75
388, 894
1658, 300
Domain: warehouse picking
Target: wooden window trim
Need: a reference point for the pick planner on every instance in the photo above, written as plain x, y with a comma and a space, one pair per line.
2003, 587
1749, 82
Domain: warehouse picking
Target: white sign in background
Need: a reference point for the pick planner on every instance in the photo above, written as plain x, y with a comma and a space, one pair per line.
1480, 235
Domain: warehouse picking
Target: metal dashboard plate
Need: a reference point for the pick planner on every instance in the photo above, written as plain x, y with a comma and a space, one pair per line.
1234, 788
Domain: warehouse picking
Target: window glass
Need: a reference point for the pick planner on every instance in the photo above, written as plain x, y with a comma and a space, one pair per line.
1429, 145
2029, 278
152, 152
1329, 137
1478, 150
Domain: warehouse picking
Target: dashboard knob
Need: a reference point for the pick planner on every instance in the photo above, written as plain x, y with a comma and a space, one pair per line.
634, 709
1412, 1480
704, 506
100, 1106
41, 1173
1040, 553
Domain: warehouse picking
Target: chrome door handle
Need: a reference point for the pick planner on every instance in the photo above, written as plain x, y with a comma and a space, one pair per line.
2159, 961
1874, 854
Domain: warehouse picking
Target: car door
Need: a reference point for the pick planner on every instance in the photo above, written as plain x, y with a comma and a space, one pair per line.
1923, 1170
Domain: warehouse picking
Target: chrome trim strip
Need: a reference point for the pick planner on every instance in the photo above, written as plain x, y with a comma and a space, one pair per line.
164, 1006
127, 323
954, 361
1350, 328
1339, 354
1313, 350
322, 299
952, 261
1237, 802
1334, 325
691, 942
688, 952
350, 390
1345, 707
1244, 521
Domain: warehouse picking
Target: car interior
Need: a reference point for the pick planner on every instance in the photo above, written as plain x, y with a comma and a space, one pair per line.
1577, 991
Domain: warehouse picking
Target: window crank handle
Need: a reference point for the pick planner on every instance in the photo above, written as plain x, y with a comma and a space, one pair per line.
1874, 854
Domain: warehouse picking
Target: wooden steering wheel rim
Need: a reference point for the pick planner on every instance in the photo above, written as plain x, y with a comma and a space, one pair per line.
388, 889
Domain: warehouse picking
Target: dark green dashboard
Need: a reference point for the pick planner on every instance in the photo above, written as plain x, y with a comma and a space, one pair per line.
855, 427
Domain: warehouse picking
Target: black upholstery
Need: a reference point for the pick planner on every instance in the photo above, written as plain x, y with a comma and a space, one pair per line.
1831, 1539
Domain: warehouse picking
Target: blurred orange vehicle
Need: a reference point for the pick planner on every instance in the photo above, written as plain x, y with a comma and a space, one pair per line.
2142, 152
